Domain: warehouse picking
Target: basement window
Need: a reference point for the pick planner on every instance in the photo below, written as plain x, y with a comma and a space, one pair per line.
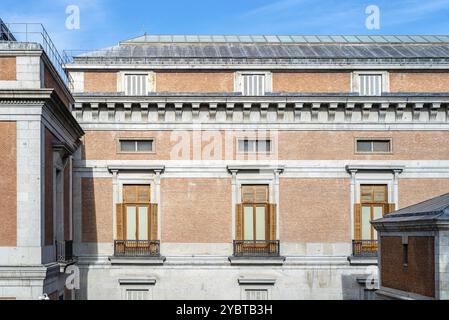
136, 145
256, 294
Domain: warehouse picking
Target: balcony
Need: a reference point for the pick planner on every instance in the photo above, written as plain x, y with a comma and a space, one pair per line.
136, 248
364, 248
251, 248
64, 251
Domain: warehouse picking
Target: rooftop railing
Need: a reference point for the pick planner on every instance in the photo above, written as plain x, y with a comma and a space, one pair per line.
35, 33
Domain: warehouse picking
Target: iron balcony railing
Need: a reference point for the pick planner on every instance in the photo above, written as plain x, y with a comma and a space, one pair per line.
64, 251
364, 248
36, 33
259, 248
136, 248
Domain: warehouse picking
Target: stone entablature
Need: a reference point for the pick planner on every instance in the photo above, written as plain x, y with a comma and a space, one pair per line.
422, 109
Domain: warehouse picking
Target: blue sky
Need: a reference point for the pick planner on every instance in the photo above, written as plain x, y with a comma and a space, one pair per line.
105, 22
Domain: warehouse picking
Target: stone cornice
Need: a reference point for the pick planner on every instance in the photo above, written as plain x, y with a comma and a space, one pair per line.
42, 98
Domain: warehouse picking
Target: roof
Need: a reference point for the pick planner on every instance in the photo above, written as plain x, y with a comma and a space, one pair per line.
281, 50
288, 39
436, 209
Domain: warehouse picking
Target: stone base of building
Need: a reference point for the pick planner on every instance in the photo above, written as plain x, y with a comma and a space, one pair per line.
214, 278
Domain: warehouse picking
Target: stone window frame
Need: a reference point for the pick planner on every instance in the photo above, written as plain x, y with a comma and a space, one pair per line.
151, 80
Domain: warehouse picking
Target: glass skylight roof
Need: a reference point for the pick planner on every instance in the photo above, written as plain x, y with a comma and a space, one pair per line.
288, 39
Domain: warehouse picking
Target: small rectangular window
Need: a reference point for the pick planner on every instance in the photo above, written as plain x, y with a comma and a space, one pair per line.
136, 84
370, 85
253, 84
132, 294
136, 146
256, 294
373, 146
254, 146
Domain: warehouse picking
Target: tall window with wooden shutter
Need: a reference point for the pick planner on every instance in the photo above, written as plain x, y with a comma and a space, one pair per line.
136, 216
373, 205
255, 216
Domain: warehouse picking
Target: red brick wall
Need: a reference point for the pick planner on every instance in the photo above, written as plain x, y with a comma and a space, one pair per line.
97, 210
419, 276
8, 185
196, 210
314, 210
8, 68
100, 81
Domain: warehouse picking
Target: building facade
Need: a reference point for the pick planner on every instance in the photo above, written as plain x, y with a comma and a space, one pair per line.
39, 137
250, 167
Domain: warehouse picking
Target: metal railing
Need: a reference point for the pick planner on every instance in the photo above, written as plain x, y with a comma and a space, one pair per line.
136, 248
36, 33
259, 248
364, 248
64, 251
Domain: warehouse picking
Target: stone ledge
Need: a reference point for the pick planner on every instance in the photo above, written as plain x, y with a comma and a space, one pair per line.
262, 261
141, 281
363, 261
247, 281
149, 261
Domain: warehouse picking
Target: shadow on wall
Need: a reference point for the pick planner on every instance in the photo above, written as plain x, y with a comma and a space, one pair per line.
87, 245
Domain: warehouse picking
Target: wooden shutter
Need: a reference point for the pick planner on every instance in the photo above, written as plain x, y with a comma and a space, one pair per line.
143, 194
379, 193
389, 208
366, 193
357, 221
153, 222
261, 194
239, 222
255, 194
130, 194
248, 194
119, 221
136, 194
272, 226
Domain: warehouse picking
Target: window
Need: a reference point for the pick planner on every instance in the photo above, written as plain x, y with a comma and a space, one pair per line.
370, 84
137, 294
254, 146
253, 84
374, 204
136, 84
137, 221
255, 212
136, 146
373, 146
256, 294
